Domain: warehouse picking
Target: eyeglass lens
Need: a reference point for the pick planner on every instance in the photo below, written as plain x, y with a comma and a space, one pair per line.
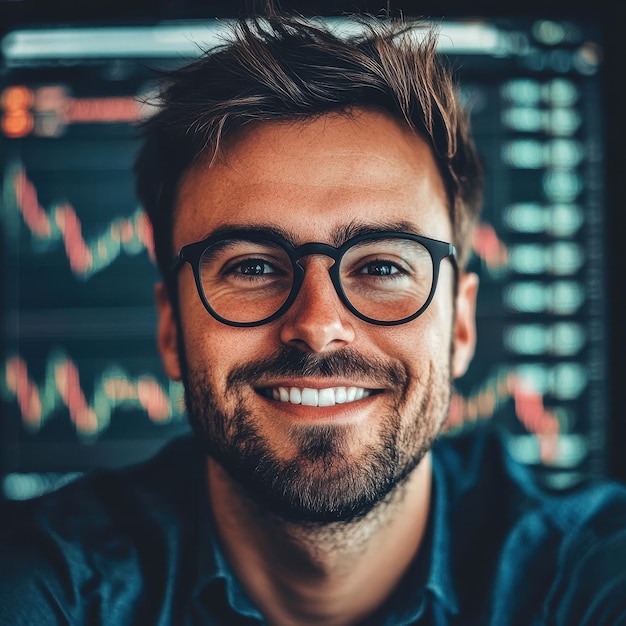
383, 279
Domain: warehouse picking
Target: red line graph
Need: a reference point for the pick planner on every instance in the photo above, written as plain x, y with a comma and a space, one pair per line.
61, 391
529, 407
60, 222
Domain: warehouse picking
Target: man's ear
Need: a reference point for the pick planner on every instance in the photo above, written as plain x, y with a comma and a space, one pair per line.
464, 331
167, 333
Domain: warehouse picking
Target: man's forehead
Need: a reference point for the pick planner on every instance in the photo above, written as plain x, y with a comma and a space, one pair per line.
337, 136
326, 175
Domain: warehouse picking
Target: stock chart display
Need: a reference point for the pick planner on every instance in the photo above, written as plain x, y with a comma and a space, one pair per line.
80, 379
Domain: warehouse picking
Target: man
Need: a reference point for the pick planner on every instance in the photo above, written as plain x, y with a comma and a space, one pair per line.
312, 200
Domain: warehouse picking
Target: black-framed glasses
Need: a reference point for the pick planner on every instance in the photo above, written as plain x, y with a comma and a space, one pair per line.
247, 278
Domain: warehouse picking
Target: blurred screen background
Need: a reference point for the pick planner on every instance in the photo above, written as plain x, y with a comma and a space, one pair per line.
81, 384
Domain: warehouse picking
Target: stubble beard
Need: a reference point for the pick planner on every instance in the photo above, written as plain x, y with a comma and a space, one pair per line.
322, 483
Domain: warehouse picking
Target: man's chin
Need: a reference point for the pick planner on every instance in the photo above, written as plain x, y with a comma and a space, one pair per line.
312, 506
315, 489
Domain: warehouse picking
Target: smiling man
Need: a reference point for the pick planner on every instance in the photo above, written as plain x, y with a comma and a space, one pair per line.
317, 410
312, 200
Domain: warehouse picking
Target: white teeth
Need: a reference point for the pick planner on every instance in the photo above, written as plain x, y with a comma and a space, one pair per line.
295, 397
326, 397
341, 395
310, 397
319, 397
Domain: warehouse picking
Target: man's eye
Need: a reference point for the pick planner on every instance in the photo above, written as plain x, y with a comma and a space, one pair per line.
253, 267
379, 268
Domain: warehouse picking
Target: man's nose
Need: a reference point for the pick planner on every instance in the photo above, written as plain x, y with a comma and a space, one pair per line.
317, 321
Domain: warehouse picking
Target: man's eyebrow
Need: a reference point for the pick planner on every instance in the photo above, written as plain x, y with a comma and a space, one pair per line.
337, 238
356, 228
253, 229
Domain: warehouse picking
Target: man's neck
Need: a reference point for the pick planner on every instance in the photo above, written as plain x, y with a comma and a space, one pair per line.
336, 574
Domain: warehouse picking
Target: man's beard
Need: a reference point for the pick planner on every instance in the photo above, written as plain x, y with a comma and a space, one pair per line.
322, 483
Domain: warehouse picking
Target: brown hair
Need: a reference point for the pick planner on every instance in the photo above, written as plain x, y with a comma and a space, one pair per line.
284, 67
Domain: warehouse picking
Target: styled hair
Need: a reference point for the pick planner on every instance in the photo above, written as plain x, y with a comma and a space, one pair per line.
286, 68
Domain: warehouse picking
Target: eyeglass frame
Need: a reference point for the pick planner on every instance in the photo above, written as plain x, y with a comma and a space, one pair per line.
192, 254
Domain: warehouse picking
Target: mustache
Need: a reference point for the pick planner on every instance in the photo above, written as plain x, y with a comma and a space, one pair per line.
291, 362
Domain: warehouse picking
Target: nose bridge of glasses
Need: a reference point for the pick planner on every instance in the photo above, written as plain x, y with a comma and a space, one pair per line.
313, 248
319, 259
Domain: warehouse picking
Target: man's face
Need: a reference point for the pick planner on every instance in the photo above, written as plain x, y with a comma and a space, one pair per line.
245, 387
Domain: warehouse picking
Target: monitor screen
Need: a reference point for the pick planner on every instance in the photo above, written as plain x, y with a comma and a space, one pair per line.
81, 383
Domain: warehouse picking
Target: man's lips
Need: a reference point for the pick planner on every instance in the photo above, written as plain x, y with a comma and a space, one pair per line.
308, 396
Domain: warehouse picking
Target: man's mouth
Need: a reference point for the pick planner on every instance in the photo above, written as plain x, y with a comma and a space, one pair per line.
306, 396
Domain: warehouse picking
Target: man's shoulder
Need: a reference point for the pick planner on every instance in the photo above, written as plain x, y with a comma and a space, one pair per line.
547, 552
490, 494
102, 528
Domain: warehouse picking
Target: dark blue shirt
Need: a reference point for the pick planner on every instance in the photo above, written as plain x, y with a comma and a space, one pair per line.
138, 546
